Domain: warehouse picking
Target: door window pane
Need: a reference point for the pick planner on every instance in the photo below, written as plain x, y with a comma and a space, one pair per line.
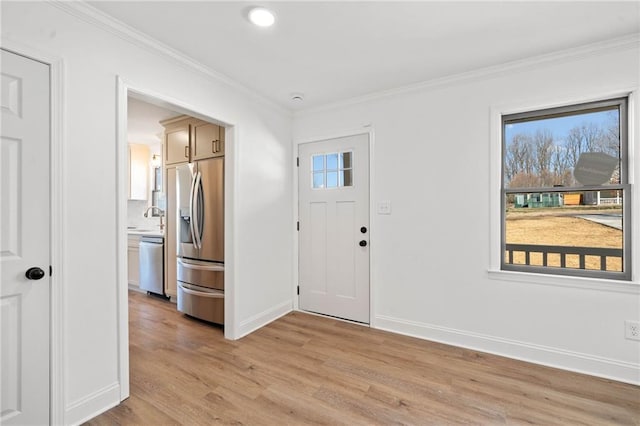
318, 163
346, 178
345, 160
318, 180
333, 170
332, 179
332, 161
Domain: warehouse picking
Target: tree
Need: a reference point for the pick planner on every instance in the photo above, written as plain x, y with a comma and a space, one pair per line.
543, 145
611, 134
593, 137
560, 166
518, 157
573, 146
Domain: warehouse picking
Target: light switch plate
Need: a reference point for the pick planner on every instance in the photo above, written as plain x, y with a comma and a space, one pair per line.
384, 207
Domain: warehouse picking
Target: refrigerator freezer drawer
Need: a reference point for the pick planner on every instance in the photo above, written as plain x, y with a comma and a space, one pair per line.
203, 274
201, 303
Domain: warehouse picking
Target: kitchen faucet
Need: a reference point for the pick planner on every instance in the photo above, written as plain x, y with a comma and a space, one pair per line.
160, 213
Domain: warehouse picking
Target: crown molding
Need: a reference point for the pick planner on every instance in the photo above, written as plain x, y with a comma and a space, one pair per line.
101, 20
105, 22
628, 42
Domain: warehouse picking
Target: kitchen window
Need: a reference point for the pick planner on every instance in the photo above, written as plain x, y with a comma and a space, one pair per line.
565, 191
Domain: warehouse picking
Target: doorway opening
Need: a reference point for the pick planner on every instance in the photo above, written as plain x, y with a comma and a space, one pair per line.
143, 187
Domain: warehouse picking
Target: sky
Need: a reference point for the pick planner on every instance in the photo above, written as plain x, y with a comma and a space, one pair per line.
560, 126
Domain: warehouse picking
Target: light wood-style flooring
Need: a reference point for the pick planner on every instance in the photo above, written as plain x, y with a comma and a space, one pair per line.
304, 369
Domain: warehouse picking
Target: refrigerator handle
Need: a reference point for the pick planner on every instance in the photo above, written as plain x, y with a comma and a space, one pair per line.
201, 266
214, 294
197, 205
192, 211
201, 207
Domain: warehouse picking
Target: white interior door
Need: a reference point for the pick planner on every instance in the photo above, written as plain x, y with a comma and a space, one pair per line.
333, 182
25, 246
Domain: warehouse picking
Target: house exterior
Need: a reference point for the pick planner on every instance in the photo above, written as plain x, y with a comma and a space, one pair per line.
434, 273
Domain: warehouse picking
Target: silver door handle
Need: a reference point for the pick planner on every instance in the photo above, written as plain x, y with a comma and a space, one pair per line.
191, 211
196, 208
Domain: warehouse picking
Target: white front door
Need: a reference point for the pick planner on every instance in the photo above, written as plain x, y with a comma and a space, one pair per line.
333, 182
24, 236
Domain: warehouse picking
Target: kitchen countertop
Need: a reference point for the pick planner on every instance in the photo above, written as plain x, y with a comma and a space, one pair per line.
145, 231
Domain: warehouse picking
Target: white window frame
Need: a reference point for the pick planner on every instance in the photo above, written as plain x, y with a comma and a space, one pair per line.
495, 197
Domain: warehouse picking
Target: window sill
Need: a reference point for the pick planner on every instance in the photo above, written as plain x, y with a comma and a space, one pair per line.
630, 287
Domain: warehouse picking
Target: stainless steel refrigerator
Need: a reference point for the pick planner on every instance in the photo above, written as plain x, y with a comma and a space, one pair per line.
200, 239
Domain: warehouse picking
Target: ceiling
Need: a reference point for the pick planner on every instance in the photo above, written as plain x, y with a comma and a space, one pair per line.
143, 119
331, 51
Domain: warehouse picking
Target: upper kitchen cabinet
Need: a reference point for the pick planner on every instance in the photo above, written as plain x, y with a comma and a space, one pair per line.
207, 140
139, 171
176, 140
189, 139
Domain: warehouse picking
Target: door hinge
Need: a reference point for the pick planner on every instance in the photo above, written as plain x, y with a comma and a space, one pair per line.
297, 161
298, 290
50, 270
297, 225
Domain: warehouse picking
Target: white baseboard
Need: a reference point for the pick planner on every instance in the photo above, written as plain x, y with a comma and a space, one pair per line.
136, 288
622, 371
263, 318
92, 405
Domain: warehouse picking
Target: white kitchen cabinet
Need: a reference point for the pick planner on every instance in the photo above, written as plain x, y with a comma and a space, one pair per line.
139, 158
133, 260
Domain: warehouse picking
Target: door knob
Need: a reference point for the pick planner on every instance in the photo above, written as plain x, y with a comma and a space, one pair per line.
363, 243
34, 273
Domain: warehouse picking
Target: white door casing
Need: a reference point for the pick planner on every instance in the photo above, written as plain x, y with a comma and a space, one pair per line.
333, 194
25, 240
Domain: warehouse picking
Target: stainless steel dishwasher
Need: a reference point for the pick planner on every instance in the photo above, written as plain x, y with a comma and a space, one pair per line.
152, 264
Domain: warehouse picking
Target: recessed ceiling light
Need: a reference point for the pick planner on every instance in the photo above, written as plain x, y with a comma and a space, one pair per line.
261, 17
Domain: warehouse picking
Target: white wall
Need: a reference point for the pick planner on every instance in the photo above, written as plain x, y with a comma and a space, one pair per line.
431, 256
93, 58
